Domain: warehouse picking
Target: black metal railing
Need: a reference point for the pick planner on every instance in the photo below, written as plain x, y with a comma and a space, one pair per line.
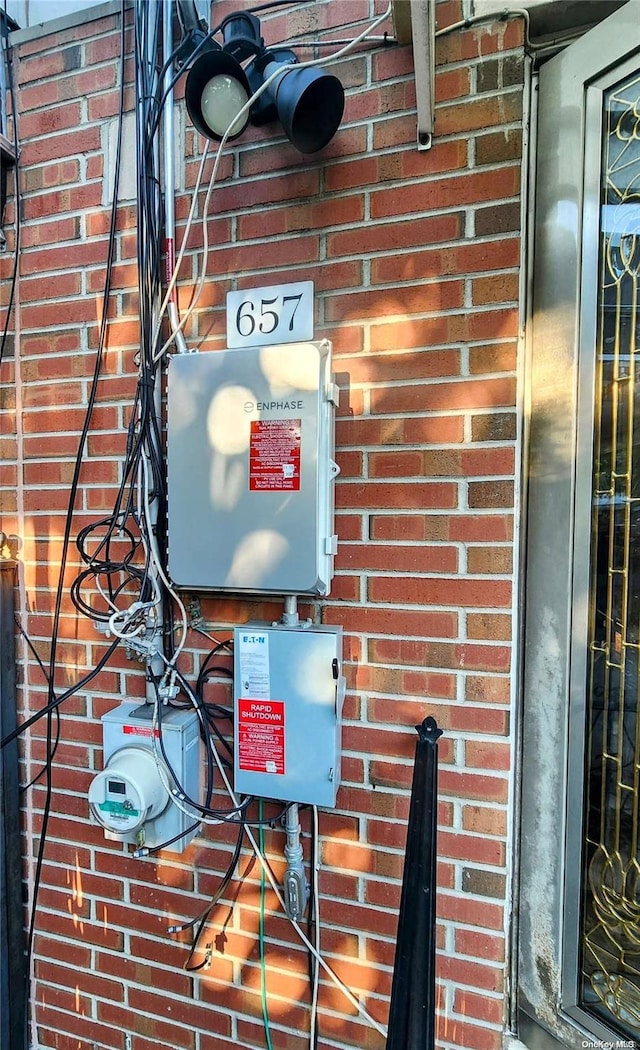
13, 974
413, 993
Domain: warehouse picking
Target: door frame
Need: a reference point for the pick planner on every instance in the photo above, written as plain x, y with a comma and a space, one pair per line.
560, 403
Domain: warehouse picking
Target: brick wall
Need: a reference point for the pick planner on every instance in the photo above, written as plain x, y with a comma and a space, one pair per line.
415, 259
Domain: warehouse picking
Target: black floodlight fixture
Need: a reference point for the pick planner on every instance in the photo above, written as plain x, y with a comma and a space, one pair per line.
217, 87
308, 102
216, 91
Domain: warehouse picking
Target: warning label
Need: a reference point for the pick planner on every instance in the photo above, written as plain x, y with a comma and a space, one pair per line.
274, 455
261, 735
140, 731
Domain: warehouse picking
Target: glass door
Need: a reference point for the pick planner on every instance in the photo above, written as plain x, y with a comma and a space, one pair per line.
609, 931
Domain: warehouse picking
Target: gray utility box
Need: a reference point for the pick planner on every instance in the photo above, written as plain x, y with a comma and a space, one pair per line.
129, 797
251, 474
289, 691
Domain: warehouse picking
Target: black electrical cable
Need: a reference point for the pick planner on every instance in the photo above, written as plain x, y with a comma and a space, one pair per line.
146, 851
160, 100
131, 575
203, 918
213, 710
53, 701
218, 648
17, 200
222, 739
36, 654
58, 700
225, 815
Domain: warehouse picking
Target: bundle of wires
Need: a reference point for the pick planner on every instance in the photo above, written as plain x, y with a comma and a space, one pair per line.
120, 550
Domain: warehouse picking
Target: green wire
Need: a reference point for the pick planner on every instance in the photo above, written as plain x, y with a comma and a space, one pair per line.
263, 968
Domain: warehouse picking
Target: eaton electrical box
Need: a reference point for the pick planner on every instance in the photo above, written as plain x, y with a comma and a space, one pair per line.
251, 473
130, 795
289, 691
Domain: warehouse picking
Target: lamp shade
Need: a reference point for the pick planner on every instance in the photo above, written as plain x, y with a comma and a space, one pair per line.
216, 90
309, 104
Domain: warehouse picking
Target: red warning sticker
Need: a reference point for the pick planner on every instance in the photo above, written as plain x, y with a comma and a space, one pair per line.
261, 735
274, 455
141, 730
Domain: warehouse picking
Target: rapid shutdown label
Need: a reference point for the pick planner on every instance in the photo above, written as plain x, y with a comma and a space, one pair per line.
261, 735
274, 455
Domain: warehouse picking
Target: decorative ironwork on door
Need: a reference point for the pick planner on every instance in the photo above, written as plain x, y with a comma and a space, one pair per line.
610, 894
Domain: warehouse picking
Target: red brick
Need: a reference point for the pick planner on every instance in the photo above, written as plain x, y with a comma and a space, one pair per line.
464, 258
473, 786
499, 288
57, 174
74, 198
454, 328
415, 430
62, 145
447, 397
52, 232
406, 527
48, 64
488, 527
80, 1028
480, 113
267, 158
349, 527
379, 237
367, 619
40, 288
428, 464
469, 1035
428, 591
399, 558
483, 1007
472, 188
314, 215
50, 119
484, 820
447, 295
401, 495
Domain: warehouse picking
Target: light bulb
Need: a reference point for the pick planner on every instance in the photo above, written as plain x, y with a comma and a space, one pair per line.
222, 99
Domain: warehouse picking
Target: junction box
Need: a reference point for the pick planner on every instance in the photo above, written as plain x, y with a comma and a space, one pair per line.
250, 449
289, 691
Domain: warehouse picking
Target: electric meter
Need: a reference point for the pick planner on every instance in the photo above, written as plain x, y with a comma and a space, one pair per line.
129, 792
133, 795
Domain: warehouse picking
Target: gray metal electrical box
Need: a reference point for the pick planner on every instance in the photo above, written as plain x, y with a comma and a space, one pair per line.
289, 691
250, 449
129, 797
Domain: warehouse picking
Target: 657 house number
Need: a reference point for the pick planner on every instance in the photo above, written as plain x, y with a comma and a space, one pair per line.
266, 316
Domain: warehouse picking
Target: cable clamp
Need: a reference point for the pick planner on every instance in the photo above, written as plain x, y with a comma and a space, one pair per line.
167, 692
